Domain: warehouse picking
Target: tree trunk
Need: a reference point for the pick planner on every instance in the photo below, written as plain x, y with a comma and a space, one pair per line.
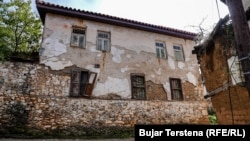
242, 36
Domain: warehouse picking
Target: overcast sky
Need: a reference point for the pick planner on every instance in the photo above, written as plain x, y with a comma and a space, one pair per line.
181, 14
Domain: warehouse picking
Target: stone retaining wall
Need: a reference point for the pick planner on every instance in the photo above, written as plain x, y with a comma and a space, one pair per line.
41, 96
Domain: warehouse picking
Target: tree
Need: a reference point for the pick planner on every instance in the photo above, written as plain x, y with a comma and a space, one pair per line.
20, 28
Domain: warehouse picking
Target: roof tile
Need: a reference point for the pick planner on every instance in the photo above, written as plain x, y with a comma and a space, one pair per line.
44, 7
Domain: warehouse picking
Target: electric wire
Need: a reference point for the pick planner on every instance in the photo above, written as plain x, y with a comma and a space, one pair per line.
218, 9
229, 75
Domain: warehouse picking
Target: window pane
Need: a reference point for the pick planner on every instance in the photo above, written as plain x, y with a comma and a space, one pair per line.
103, 35
138, 81
139, 93
99, 44
158, 52
79, 31
174, 84
163, 53
176, 95
159, 44
138, 87
160, 49
81, 41
103, 41
176, 89
179, 56
178, 53
106, 45
177, 48
74, 40
78, 37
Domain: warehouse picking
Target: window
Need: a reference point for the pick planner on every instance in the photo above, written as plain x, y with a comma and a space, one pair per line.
138, 86
160, 50
78, 37
82, 82
176, 89
178, 52
103, 41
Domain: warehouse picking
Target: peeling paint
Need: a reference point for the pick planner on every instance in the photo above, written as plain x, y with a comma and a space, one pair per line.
58, 65
191, 78
158, 71
128, 56
187, 59
137, 65
117, 54
181, 65
191, 68
110, 86
166, 86
171, 63
53, 48
126, 68
93, 69
47, 32
92, 48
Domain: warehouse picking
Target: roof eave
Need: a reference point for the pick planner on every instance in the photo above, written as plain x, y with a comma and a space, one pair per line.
43, 9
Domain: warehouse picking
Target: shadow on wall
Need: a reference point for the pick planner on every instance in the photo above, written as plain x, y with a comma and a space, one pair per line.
15, 118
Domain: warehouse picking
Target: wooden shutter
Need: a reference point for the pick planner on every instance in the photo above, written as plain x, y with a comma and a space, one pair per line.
75, 82
90, 84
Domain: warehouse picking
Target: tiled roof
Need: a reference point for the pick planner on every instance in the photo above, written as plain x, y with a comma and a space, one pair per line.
46, 7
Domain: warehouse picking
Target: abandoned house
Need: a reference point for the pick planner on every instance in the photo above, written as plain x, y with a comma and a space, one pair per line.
101, 70
222, 74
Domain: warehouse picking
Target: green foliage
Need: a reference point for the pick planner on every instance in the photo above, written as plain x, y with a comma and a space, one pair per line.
212, 116
212, 119
20, 28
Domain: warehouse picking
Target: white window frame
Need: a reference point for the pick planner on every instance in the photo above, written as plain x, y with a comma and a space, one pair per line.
179, 53
161, 51
103, 41
78, 34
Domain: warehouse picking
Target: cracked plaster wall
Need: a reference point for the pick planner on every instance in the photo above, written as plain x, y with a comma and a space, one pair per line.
132, 51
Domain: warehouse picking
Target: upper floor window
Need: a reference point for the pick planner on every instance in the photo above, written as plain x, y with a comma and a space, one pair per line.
103, 41
78, 37
176, 89
138, 86
178, 52
161, 50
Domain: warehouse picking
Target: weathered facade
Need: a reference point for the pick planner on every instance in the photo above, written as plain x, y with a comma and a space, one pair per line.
99, 70
130, 51
222, 75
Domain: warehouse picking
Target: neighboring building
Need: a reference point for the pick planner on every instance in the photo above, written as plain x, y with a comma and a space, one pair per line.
222, 75
100, 70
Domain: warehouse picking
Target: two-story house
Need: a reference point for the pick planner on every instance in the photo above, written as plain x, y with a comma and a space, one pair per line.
115, 56
101, 70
